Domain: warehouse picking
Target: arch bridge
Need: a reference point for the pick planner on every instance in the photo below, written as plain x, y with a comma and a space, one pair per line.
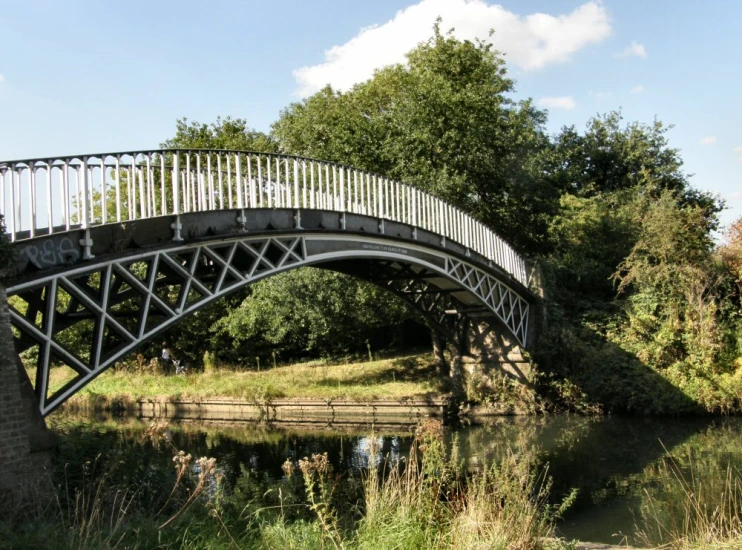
121, 246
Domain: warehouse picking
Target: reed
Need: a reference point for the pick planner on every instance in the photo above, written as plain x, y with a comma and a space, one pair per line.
689, 514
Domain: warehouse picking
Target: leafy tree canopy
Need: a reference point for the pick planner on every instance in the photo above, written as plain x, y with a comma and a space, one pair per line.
445, 122
227, 133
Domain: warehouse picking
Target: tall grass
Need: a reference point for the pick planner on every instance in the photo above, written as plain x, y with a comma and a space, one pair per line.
425, 501
694, 514
431, 503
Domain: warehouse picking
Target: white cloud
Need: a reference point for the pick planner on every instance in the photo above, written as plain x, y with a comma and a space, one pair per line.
565, 102
637, 89
738, 149
2, 79
633, 49
734, 196
708, 140
530, 42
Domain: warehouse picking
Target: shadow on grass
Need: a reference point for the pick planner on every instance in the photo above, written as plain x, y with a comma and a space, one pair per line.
404, 369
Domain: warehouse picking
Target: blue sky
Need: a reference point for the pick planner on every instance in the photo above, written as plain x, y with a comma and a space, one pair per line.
95, 76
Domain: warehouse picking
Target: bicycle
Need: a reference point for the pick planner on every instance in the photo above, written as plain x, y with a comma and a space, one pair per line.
180, 368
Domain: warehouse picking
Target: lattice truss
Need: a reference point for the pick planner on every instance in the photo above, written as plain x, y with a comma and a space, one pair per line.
106, 310
499, 298
413, 284
440, 306
80, 322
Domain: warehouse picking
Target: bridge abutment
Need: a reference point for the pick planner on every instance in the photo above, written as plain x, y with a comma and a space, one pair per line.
481, 352
24, 438
488, 350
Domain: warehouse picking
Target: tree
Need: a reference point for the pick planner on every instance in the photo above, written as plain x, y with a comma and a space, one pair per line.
611, 156
445, 123
312, 311
731, 253
227, 133
672, 286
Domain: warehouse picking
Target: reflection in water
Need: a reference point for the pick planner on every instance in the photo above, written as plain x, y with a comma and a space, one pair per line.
613, 462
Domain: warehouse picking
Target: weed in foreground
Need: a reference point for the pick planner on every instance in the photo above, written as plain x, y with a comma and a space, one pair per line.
429, 502
691, 514
426, 500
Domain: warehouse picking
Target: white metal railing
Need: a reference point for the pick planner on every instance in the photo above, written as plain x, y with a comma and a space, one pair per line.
46, 196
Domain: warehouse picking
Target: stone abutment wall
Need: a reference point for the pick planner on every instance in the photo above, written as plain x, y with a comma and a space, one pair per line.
24, 439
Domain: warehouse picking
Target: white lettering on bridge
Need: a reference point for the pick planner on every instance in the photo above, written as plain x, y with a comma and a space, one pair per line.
384, 248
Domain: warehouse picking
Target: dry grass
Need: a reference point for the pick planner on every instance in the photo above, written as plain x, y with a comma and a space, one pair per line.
394, 378
694, 513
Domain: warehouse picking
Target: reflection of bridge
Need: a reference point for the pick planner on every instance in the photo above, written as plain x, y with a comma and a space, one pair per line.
115, 248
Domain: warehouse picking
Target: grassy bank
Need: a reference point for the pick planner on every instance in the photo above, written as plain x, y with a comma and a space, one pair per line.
394, 378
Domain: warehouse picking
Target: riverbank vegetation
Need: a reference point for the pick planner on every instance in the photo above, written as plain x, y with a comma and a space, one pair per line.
120, 499
130, 486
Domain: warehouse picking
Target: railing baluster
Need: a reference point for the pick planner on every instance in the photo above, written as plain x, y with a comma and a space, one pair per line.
13, 177
199, 184
163, 195
304, 183
342, 189
251, 181
271, 186
49, 203
238, 176
188, 183
150, 186
334, 187
176, 183
220, 179
32, 205
311, 184
278, 197
229, 181
210, 177
142, 195
296, 184
84, 177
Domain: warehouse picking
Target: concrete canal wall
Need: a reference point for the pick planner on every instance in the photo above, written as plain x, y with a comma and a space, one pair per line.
293, 410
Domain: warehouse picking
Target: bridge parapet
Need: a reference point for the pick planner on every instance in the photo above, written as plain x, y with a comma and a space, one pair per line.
42, 197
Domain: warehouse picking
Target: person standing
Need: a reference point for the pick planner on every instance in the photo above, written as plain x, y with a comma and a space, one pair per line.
167, 358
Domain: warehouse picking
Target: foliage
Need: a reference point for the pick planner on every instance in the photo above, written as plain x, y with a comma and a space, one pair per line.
731, 254
590, 236
431, 504
444, 122
112, 503
312, 311
640, 316
227, 133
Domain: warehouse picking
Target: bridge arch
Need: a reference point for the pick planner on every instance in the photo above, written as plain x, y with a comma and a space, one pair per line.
130, 279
